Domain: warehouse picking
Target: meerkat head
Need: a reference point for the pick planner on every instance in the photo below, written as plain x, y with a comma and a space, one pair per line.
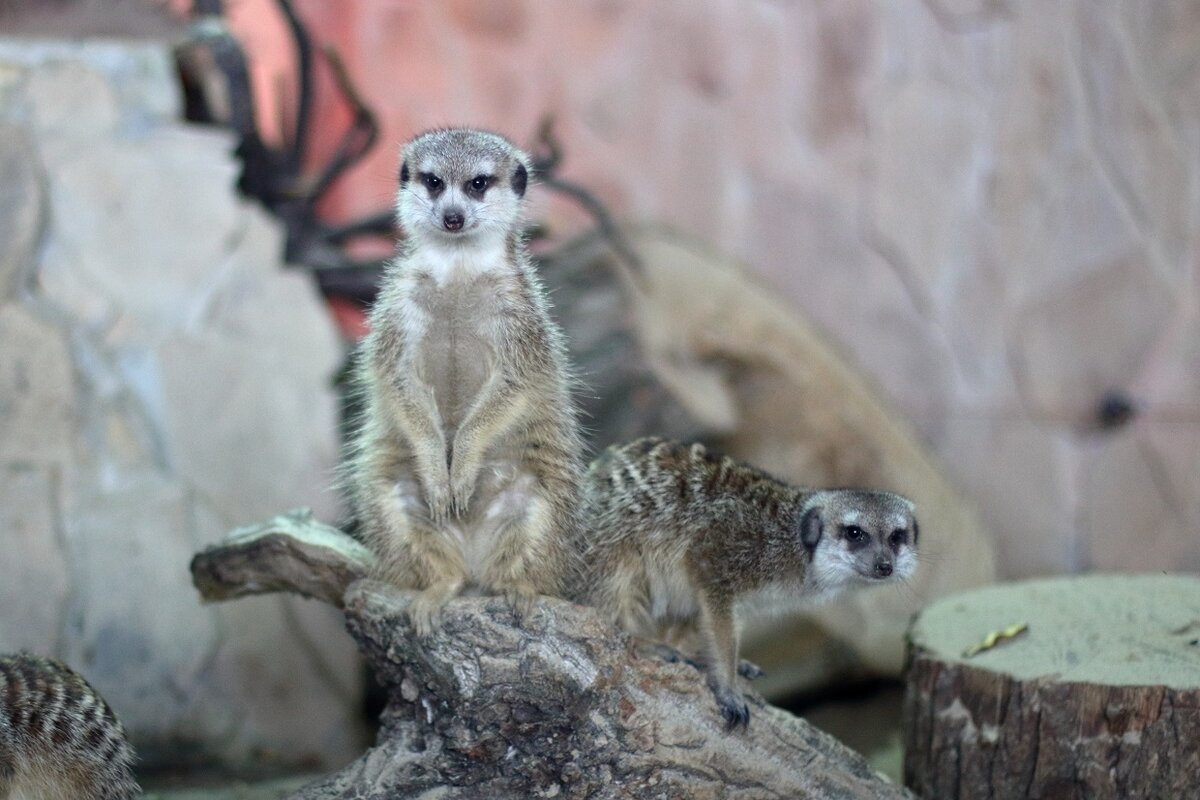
855, 535
460, 184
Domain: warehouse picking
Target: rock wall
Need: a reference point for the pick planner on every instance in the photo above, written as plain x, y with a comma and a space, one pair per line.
991, 205
163, 377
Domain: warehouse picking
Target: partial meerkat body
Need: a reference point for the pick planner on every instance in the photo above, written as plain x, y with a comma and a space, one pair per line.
465, 470
59, 740
679, 538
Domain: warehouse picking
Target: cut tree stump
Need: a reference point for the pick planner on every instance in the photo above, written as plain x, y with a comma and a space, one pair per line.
1098, 698
558, 706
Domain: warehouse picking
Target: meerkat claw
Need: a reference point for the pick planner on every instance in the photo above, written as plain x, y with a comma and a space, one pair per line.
438, 499
673, 656
460, 497
735, 711
425, 613
521, 603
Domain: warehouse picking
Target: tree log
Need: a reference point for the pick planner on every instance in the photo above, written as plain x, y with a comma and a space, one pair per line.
558, 705
1098, 698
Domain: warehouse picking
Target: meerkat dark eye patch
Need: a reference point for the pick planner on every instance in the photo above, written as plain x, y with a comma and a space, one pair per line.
811, 527
519, 180
855, 536
898, 538
403, 172
432, 182
477, 186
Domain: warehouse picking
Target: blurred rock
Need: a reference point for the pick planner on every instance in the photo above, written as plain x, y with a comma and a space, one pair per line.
20, 207
37, 388
34, 572
162, 378
1140, 502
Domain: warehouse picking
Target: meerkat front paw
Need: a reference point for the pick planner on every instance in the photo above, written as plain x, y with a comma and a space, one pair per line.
520, 600
461, 489
425, 613
733, 708
437, 497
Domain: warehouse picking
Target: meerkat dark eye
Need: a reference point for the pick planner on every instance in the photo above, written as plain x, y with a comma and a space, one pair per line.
432, 182
854, 534
480, 183
898, 538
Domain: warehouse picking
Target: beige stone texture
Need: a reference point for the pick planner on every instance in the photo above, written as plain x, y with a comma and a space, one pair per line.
164, 377
20, 208
34, 574
37, 388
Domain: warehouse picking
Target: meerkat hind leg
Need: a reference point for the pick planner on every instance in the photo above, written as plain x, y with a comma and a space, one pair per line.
413, 555
442, 572
425, 610
520, 525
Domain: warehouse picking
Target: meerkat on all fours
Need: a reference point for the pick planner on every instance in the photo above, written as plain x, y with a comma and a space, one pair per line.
465, 470
678, 538
59, 740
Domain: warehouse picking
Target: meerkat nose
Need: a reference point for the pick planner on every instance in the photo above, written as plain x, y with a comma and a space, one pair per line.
452, 220
883, 568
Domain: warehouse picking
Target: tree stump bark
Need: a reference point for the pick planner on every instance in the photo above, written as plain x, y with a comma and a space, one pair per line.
558, 705
1098, 698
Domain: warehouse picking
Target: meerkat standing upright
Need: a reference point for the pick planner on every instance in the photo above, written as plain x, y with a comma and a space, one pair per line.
466, 468
679, 537
59, 740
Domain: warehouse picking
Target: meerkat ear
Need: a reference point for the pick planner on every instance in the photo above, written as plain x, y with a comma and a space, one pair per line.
519, 179
916, 532
811, 527
403, 172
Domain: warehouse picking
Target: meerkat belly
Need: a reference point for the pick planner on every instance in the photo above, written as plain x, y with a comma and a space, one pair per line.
457, 357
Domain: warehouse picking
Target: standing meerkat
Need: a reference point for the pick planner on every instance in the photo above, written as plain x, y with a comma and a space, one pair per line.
679, 539
59, 740
466, 467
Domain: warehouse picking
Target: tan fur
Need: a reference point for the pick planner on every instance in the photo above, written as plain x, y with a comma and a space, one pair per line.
680, 540
59, 740
466, 466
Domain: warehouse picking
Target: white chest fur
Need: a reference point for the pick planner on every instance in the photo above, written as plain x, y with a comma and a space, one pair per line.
447, 262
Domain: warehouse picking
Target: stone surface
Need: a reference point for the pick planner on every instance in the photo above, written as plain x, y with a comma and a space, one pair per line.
37, 388
1022, 476
34, 576
1141, 502
20, 208
163, 377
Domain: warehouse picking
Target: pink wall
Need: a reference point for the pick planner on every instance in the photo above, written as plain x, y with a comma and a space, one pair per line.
992, 206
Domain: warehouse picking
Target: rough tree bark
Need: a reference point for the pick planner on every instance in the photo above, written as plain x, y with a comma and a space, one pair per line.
1099, 698
558, 706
